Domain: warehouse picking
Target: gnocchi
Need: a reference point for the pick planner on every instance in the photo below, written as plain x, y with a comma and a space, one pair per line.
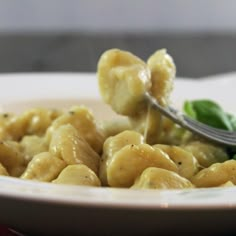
187, 164
3, 170
217, 174
69, 146
114, 144
81, 118
43, 167
77, 174
123, 79
158, 178
129, 162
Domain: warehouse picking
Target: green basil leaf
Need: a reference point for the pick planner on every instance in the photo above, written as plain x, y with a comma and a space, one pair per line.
208, 112
189, 110
232, 119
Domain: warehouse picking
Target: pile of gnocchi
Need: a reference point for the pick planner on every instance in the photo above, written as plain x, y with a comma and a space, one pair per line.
145, 150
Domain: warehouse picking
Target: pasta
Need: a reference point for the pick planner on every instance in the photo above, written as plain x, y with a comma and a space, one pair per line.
3, 170
217, 174
43, 167
123, 79
31, 145
33, 121
187, 164
114, 144
69, 146
158, 178
143, 150
82, 119
206, 154
129, 162
12, 158
163, 72
77, 174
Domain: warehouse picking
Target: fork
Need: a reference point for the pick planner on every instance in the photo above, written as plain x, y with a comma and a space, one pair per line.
212, 134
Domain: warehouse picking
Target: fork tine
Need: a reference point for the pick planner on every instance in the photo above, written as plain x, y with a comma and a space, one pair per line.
217, 137
212, 134
208, 128
230, 138
202, 126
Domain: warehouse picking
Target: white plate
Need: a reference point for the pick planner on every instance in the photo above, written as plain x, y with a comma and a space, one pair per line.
43, 208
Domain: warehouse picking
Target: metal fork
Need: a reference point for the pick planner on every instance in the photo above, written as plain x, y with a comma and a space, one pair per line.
212, 134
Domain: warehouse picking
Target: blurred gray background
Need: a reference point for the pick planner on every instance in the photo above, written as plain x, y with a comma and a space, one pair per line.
70, 35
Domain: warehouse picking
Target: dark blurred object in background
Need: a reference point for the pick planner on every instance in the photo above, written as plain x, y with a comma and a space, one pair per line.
70, 35
195, 56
